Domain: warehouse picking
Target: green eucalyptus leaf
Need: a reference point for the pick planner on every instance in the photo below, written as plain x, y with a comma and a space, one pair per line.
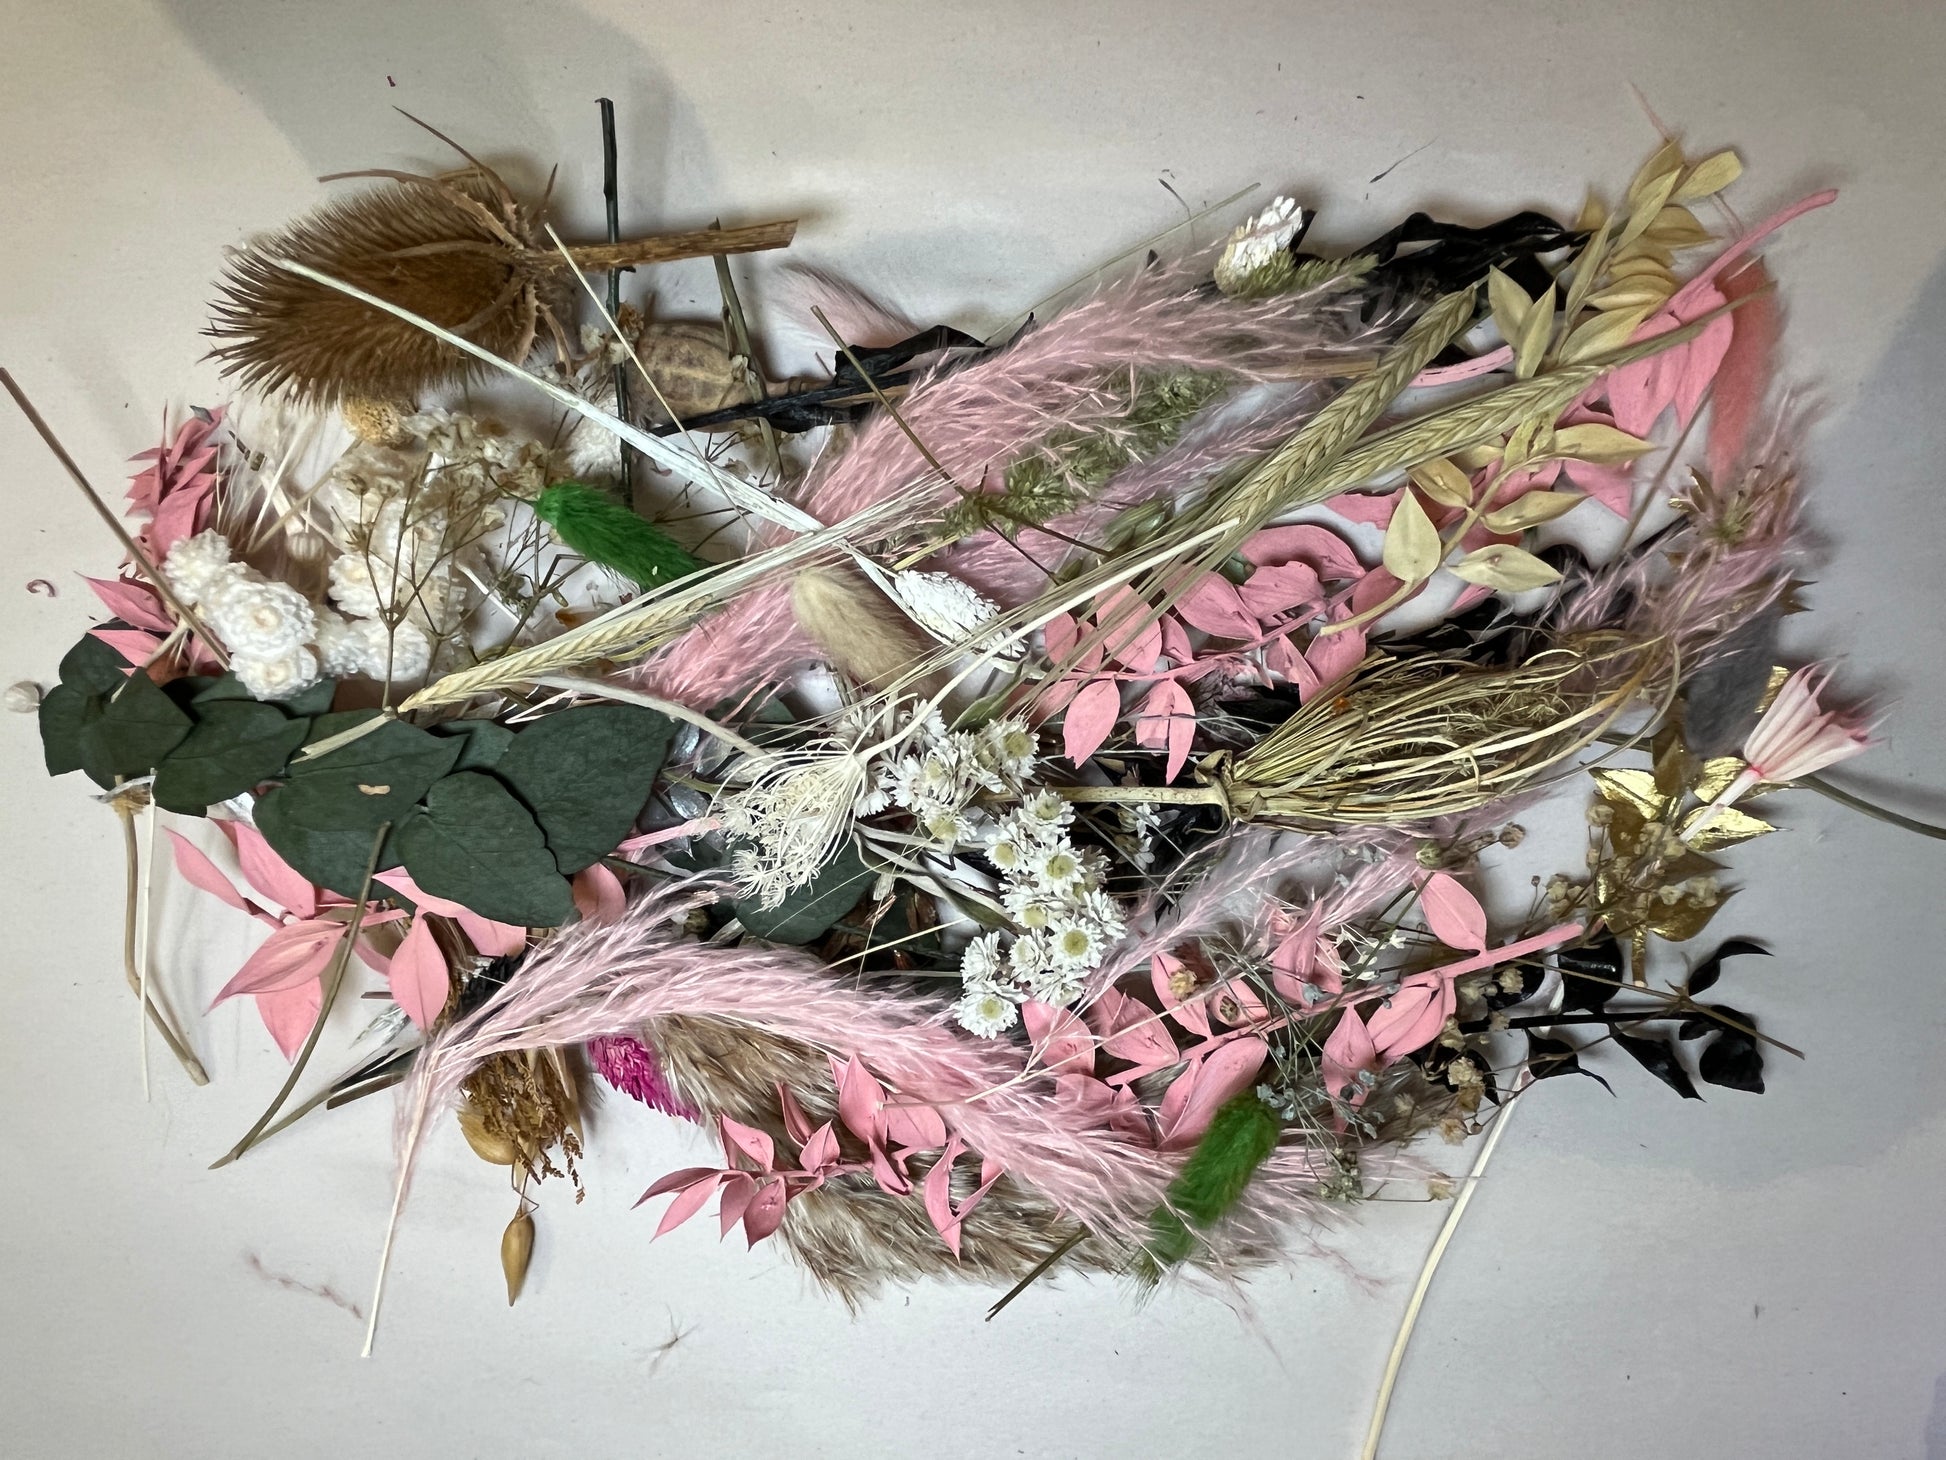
137, 727
92, 667
474, 843
313, 701
585, 774
234, 747
482, 742
305, 824
64, 713
808, 912
377, 777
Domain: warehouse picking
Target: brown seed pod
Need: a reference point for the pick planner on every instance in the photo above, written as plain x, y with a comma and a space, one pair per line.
458, 250
516, 1250
490, 1146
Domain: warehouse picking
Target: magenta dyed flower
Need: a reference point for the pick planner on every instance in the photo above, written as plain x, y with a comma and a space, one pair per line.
632, 1067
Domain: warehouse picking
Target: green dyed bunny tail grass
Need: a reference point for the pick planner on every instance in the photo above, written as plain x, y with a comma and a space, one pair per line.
1240, 1137
603, 531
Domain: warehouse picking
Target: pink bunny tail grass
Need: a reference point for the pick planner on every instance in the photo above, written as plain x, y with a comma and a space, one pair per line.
754, 640
604, 979
633, 1068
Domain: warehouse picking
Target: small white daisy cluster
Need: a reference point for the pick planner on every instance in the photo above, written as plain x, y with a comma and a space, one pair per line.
1257, 258
1052, 890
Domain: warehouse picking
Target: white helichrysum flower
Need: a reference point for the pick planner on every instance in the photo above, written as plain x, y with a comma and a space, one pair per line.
1046, 811
946, 825
1057, 986
1006, 851
986, 1012
983, 961
198, 564
875, 797
352, 586
278, 677
1030, 906
1074, 944
1010, 747
1030, 957
942, 605
340, 644
1101, 912
1057, 867
259, 619
1257, 256
404, 653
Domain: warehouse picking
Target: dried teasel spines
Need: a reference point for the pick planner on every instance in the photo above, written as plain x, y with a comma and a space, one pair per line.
457, 250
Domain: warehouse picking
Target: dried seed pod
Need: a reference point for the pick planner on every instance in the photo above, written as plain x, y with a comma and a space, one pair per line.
693, 369
516, 1249
24, 697
490, 1146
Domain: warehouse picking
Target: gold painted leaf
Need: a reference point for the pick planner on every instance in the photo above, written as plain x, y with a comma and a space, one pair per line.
1625, 828
1506, 567
1474, 458
1645, 206
1593, 214
1412, 547
1640, 266
1709, 177
1727, 828
1642, 248
1603, 333
1630, 788
1685, 920
1716, 776
1445, 483
1532, 510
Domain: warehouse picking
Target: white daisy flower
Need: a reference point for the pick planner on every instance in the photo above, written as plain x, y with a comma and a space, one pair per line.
276, 678
1073, 944
1029, 958
258, 619
197, 565
1007, 854
1057, 868
1045, 811
352, 586
1058, 986
1010, 747
986, 1012
983, 962
946, 826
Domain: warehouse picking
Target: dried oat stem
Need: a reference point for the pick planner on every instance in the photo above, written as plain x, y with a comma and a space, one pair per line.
135, 553
333, 976
191, 1066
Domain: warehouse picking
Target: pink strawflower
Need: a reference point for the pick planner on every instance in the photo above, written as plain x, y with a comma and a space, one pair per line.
632, 1067
1795, 738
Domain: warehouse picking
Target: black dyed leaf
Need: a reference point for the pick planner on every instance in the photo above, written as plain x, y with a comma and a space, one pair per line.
1602, 958
482, 742
1697, 1025
1658, 1057
585, 773
808, 912
137, 727
1711, 968
474, 843
1547, 1058
378, 777
304, 822
1733, 1060
233, 748
92, 667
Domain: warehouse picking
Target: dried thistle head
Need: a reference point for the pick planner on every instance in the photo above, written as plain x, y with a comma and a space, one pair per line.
454, 249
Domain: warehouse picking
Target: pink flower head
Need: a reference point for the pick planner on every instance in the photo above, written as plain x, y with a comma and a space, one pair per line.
1796, 738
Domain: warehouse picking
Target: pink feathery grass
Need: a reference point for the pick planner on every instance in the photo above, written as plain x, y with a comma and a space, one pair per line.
752, 641
604, 979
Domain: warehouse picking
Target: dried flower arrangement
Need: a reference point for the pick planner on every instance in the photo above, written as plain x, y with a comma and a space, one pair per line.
1044, 841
